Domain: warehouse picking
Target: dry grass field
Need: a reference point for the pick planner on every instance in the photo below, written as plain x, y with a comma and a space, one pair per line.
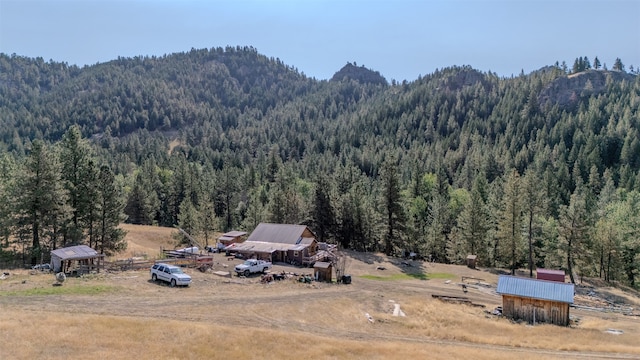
124, 315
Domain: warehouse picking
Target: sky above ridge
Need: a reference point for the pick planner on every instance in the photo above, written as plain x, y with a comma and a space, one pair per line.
402, 39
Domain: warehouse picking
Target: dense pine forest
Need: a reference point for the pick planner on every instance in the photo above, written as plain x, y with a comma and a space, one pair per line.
534, 170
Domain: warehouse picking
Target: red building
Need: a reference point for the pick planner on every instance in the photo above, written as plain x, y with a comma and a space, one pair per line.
550, 275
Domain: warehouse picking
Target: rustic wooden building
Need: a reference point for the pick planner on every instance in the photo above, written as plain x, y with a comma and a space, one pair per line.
232, 237
471, 261
535, 301
76, 260
551, 275
294, 244
323, 271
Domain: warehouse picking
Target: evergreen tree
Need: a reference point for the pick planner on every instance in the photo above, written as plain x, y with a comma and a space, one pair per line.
189, 220
7, 200
37, 192
607, 238
142, 203
596, 63
228, 187
323, 217
285, 204
533, 205
91, 211
109, 237
256, 211
630, 245
393, 206
510, 224
473, 220
437, 232
617, 65
78, 174
573, 230
208, 220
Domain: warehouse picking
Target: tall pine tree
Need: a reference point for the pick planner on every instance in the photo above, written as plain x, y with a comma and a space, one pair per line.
38, 194
393, 206
510, 224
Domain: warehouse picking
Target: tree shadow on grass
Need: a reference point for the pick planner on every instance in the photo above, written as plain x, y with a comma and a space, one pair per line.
366, 257
415, 268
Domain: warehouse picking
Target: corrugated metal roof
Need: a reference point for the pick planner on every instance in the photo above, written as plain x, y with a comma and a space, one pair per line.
235, 233
226, 238
322, 265
536, 289
261, 247
75, 252
277, 233
306, 241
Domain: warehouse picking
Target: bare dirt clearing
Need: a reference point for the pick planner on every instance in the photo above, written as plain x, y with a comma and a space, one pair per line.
219, 317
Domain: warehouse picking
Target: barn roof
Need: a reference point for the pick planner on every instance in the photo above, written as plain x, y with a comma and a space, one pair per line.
322, 265
259, 246
536, 289
235, 233
278, 233
77, 252
550, 271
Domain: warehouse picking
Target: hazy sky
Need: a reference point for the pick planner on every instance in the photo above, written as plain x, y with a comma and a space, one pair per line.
401, 39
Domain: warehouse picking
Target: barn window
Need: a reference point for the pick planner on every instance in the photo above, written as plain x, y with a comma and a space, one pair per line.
295, 254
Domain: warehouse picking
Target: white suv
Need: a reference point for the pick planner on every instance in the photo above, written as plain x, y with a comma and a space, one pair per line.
171, 274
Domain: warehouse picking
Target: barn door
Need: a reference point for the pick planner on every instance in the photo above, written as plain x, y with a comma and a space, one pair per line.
539, 314
554, 314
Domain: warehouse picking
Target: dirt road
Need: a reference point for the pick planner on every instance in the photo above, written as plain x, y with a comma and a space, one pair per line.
322, 309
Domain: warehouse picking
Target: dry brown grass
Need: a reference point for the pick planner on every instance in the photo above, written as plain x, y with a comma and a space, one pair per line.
73, 336
285, 320
143, 239
124, 315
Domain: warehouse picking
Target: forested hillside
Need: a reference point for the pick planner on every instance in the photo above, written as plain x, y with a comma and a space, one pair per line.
541, 169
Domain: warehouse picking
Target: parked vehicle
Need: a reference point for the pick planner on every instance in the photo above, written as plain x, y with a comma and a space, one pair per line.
169, 273
42, 267
215, 248
252, 266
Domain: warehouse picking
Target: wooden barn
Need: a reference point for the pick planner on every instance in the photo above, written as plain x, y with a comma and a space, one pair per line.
551, 275
323, 271
535, 301
76, 260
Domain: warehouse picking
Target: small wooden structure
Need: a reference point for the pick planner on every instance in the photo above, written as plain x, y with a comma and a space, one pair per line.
232, 237
551, 275
323, 271
535, 301
471, 261
76, 260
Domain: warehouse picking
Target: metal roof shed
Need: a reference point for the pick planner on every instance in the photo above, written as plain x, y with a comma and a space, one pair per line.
535, 300
79, 259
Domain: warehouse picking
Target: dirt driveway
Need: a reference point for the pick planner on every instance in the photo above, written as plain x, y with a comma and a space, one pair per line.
333, 310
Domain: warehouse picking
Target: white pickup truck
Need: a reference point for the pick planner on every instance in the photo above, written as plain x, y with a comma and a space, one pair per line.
252, 266
170, 273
